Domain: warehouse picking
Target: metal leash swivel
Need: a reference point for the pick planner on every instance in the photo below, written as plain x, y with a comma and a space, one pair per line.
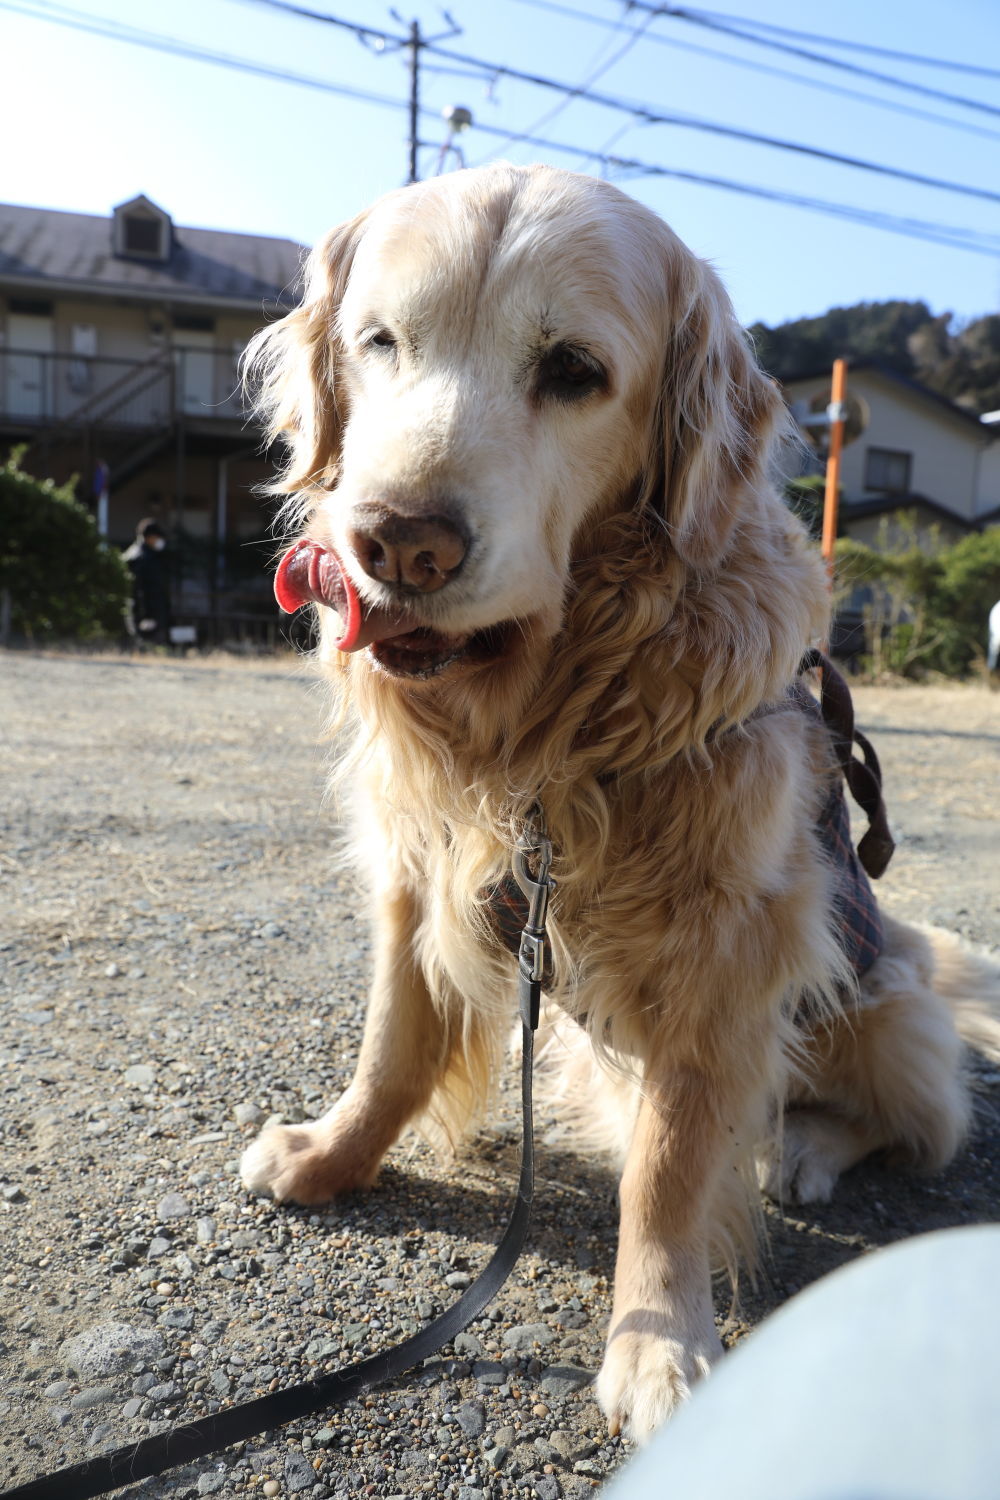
536, 885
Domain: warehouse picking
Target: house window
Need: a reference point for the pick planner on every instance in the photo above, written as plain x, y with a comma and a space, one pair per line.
141, 230
193, 323
888, 470
143, 236
29, 307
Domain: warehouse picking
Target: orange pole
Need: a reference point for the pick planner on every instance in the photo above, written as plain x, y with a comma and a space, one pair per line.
837, 413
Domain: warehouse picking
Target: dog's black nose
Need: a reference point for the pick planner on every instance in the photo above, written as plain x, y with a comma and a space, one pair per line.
415, 554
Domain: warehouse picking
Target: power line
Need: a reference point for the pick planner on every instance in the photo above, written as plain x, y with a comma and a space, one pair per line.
855, 46
912, 228
754, 65
646, 113
704, 18
358, 27
975, 241
635, 33
979, 242
122, 32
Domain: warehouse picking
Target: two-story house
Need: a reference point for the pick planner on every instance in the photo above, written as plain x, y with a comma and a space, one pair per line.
119, 345
919, 453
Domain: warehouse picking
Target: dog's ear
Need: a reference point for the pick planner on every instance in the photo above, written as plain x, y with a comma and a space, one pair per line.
720, 417
292, 367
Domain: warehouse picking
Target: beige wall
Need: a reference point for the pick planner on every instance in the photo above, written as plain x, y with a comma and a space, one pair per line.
947, 454
131, 332
134, 331
122, 332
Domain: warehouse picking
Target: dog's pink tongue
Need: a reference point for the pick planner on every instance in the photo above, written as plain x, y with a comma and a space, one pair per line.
310, 574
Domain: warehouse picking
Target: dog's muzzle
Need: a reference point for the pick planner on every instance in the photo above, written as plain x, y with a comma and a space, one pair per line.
311, 574
408, 554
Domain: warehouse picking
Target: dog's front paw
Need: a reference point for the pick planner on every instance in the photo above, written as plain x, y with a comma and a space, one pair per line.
303, 1164
645, 1376
803, 1165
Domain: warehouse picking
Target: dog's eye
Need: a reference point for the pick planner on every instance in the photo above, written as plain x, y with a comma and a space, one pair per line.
381, 338
568, 373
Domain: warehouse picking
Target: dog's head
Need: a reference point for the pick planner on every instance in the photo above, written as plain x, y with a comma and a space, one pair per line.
483, 368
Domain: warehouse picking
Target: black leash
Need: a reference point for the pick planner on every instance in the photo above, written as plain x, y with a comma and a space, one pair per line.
136, 1461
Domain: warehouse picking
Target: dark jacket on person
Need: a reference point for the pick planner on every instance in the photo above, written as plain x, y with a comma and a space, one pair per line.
150, 585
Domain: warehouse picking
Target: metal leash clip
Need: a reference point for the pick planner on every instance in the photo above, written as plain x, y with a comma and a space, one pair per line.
533, 849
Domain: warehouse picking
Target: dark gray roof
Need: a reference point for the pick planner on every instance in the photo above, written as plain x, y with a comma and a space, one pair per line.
44, 251
877, 505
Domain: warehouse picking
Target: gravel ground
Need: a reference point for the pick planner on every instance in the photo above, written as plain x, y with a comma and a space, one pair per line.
182, 961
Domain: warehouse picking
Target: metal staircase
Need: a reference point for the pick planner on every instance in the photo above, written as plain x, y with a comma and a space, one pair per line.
123, 424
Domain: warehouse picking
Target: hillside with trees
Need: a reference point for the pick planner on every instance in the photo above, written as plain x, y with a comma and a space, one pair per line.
960, 361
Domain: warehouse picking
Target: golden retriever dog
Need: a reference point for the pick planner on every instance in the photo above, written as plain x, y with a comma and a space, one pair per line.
530, 459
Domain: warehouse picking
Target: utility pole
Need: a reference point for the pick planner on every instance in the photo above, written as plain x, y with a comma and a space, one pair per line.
415, 44
836, 413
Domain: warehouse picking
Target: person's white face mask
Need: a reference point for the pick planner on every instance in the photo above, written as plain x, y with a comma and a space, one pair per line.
157, 543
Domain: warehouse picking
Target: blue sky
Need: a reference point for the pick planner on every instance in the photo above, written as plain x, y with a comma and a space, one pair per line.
88, 121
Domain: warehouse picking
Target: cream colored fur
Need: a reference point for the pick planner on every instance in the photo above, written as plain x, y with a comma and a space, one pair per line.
662, 595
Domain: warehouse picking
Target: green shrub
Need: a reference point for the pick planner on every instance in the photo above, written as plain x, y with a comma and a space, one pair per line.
805, 498
928, 603
62, 581
968, 588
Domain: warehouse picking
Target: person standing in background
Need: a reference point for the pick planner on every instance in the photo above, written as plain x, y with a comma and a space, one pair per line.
149, 617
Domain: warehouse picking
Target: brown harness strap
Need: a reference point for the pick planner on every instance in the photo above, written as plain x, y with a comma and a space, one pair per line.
863, 777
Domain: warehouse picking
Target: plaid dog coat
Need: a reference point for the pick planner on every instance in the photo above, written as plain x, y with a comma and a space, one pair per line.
857, 919
855, 916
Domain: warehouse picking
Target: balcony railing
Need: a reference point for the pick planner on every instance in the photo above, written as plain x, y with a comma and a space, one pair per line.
41, 389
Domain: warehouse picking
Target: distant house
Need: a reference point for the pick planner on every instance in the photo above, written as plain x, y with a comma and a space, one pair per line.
919, 453
119, 344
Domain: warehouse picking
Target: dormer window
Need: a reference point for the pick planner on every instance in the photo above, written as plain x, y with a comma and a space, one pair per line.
143, 236
142, 231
